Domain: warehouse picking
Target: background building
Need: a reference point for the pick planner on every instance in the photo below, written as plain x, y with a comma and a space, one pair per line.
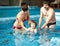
18, 2
56, 3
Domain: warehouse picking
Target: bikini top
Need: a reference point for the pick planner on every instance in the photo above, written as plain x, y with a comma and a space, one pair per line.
24, 18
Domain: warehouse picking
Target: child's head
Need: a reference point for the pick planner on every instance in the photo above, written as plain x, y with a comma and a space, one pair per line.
24, 6
33, 24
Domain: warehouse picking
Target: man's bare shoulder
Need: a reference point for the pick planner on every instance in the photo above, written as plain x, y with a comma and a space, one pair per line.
42, 8
51, 9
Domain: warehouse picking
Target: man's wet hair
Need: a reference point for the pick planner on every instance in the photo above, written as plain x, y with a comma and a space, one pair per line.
46, 2
24, 3
32, 21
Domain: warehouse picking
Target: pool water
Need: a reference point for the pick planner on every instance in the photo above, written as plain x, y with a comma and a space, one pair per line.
9, 38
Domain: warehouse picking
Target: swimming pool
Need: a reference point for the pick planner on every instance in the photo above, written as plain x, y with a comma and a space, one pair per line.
7, 18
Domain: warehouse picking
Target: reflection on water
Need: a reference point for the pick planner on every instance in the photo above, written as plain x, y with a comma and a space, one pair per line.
8, 37
44, 39
25, 40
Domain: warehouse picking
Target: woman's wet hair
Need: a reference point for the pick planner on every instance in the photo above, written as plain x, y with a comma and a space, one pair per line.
32, 21
25, 9
46, 2
24, 3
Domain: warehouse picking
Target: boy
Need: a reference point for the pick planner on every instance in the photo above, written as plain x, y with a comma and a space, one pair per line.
32, 29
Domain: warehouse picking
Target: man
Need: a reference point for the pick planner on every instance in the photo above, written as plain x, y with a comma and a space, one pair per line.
48, 13
22, 16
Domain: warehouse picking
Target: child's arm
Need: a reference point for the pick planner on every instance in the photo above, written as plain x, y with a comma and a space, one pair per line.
35, 31
28, 29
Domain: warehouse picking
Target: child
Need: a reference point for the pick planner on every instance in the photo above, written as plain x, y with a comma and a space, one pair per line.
32, 29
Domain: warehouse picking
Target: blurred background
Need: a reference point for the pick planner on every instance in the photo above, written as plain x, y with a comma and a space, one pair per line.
8, 12
54, 3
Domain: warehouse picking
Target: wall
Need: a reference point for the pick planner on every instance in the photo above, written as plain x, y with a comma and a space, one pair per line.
4, 2
18, 2
58, 1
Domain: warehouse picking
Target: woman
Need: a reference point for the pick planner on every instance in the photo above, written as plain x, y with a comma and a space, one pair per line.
22, 16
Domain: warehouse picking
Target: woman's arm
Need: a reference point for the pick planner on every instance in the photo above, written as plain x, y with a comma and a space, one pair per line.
20, 22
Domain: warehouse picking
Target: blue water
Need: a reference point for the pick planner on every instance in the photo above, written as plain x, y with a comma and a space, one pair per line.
7, 37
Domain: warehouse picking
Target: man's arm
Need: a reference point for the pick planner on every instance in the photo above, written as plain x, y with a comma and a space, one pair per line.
48, 19
40, 19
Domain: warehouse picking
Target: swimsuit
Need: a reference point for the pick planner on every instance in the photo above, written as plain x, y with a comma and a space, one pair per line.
51, 24
19, 27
